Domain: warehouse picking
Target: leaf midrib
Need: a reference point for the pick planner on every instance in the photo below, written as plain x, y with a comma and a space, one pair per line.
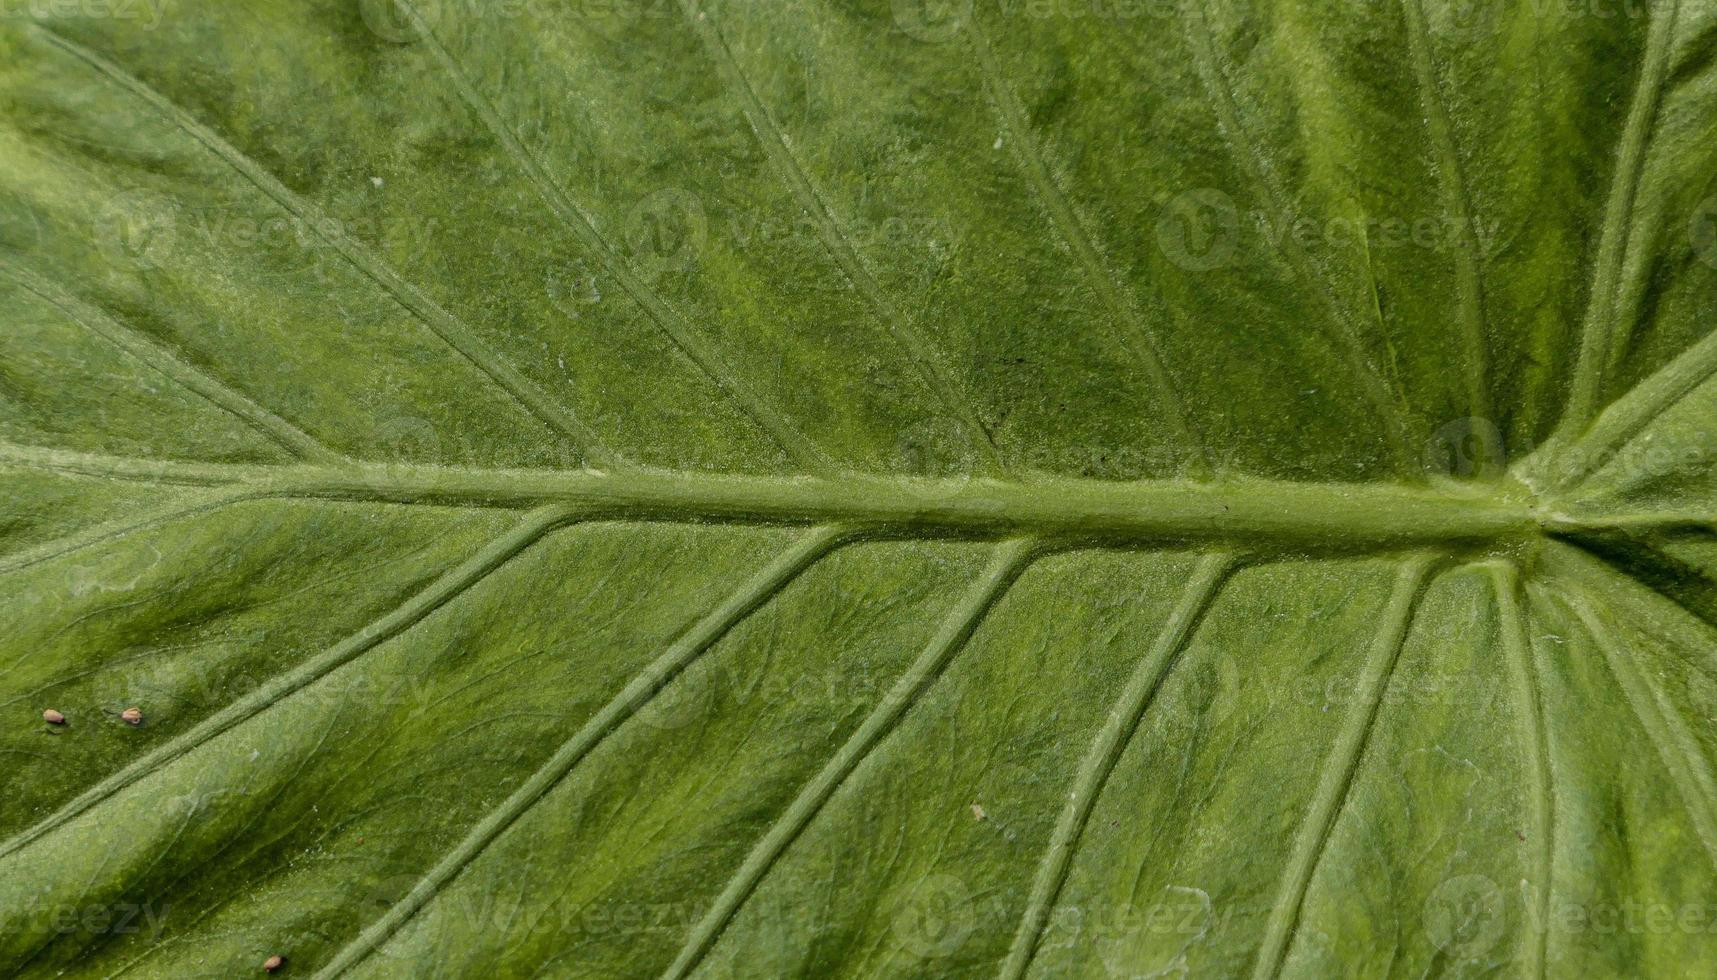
1340, 515
1337, 516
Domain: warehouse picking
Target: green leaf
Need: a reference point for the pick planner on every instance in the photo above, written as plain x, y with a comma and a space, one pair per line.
858, 487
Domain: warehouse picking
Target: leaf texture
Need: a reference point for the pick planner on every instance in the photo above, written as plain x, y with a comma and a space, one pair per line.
858, 488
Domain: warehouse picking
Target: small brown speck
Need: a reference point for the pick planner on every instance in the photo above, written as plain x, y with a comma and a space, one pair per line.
53, 717
273, 963
978, 812
132, 716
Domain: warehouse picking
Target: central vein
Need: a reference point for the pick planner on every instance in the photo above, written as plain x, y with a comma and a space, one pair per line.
1334, 515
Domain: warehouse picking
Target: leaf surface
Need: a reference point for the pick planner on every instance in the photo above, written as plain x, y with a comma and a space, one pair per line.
858, 488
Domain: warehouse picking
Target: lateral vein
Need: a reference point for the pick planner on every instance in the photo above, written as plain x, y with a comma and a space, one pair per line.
924, 356
1600, 332
1457, 200
1341, 765
452, 584
1009, 560
440, 322
1266, 187
795, 443
163, 361
1105, 751
1140, 338
1688, 631
1535, 753
767, 583
1675, 745
120, 528
1630, 414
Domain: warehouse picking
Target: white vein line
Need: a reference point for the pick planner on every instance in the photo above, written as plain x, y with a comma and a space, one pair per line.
1123, 306
1341, 765
1628, 415
1663, 725
1105, 751
1600, 331
442, 323
750, 596
449, 586
924, 355
1673, 520
795, 443
1457, 201
122, 527
1669, 735
1685, 629
1267, 188
1009, 560
1535, 754
163, 361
